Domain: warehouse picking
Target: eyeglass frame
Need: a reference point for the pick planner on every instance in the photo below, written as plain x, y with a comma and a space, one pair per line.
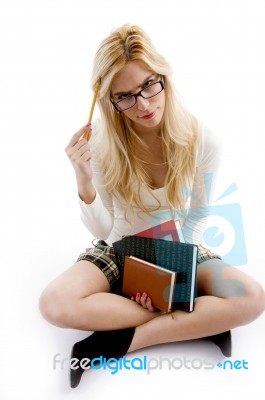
137, 95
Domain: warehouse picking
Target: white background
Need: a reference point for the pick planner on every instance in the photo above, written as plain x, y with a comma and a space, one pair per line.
216, 49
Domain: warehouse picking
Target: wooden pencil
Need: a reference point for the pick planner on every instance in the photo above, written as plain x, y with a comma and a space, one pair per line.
87, 132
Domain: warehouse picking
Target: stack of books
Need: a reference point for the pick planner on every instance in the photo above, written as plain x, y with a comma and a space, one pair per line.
158, 262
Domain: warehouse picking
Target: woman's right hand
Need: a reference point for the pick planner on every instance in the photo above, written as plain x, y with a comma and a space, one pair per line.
78, 152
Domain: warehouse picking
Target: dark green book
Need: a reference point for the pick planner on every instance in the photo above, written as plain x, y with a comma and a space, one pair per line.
175, 256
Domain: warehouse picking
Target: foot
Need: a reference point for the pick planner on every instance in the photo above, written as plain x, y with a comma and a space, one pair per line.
76, 374
223, 341
108, 344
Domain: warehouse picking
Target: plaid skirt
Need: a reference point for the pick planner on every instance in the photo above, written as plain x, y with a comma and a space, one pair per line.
103, 257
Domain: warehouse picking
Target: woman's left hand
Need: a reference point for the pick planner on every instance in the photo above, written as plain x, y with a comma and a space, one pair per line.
144, 301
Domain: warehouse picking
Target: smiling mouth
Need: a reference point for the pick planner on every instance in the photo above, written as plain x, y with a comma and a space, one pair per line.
149, 116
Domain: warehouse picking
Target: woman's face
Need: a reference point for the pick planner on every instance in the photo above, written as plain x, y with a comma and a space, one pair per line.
146, 114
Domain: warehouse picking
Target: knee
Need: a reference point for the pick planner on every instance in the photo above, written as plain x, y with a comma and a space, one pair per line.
255, 304
54, 307
251, 305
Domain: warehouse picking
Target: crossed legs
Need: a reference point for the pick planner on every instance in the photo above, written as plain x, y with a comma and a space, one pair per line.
81, 298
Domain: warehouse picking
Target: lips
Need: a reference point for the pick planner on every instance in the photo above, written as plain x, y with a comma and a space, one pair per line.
149, 116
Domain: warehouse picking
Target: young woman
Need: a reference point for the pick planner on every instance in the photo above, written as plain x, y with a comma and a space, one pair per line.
147, 159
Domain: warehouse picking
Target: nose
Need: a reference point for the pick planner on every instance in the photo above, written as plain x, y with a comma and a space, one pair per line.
142, 104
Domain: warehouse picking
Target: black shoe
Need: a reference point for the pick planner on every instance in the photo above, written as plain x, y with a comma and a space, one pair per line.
223, 341
108, 344
75, 374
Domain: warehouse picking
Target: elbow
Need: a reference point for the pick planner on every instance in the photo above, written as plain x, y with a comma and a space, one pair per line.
99, 227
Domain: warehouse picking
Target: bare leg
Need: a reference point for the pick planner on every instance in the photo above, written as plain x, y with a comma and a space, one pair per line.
80, 298
243, 303
212, 316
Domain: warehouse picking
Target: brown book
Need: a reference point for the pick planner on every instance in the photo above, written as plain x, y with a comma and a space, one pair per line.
142, 276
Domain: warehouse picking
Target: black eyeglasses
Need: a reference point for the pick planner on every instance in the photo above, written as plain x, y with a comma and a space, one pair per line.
146, 93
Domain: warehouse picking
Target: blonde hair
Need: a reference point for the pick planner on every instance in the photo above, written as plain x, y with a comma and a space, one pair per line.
124, 173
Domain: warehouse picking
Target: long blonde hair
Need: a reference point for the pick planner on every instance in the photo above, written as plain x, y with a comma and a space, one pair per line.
124, 173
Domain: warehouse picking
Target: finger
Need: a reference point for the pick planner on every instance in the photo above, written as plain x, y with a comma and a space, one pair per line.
82, 160
81, 143
138, 297
143, 299
82, 151
86, 156
78, 150
149, 305
77, 136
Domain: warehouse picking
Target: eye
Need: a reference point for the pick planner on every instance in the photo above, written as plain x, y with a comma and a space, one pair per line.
148, 83
124, 96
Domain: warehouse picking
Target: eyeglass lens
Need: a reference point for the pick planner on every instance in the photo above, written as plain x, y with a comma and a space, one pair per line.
150, 91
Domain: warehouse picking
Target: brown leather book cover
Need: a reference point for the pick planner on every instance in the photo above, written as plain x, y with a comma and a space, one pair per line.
142, 276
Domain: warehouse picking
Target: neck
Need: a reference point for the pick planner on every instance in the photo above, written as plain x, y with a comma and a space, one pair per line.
148, 135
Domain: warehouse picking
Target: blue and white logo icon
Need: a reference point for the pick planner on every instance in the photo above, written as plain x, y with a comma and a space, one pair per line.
224, 234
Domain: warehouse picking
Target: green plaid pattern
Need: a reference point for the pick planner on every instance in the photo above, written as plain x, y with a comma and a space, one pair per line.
206, 254
103, 257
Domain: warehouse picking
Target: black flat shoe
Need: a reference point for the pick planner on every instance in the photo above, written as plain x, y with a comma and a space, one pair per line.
108, 344
75, 374
223, 341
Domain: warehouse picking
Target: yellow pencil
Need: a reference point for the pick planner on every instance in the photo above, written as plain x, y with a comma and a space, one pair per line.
87, 133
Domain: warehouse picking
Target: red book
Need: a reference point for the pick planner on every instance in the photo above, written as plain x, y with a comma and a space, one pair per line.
170, 230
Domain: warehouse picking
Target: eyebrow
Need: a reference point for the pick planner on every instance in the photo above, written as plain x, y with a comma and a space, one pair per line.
130, 92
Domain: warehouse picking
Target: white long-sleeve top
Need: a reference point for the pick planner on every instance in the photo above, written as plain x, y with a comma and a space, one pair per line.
105, 216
